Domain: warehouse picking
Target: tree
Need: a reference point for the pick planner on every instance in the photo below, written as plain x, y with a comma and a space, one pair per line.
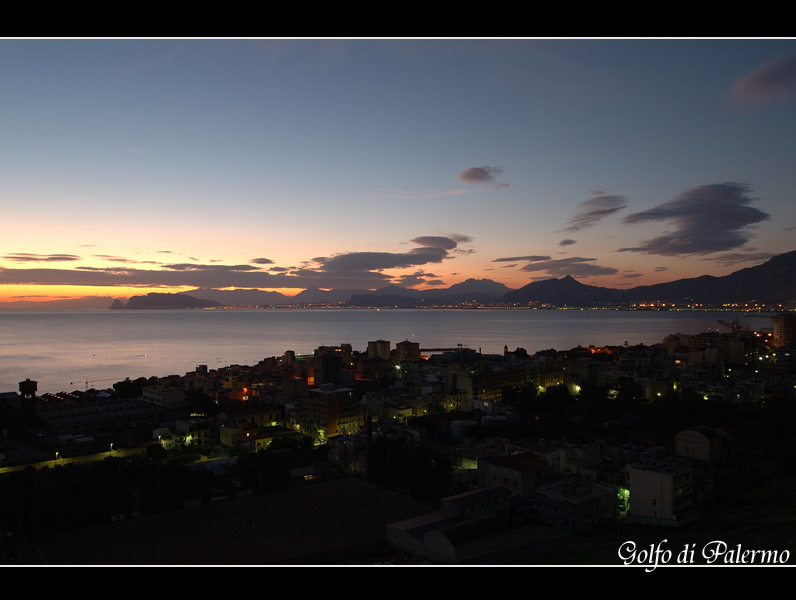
133, 389
155, 452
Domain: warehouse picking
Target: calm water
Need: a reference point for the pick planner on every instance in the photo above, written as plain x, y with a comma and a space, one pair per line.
66, 350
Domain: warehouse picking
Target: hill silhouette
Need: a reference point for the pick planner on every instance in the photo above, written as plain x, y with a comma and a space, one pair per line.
773, 282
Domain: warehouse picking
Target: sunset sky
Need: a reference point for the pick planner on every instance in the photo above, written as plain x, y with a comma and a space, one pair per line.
131, 166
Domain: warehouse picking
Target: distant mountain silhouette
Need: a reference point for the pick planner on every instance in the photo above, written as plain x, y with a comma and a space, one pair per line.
158, 300
478, 290
85, 302
255, 297
317, 296
566, 291
772, 282
240, 297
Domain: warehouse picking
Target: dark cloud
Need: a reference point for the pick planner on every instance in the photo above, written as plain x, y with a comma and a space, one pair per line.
594, 210
772, 82
531, 258
220, 268
417, 278
631, 275
433, 249
377, 261
212, 276
483, 176
566, 242
735, 258
302, 278
460, 239
120, 259
575, 266
25, 257
431, 241
347, 270
660, 269
708, 218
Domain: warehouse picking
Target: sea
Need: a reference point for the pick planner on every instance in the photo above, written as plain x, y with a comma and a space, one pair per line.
78, 349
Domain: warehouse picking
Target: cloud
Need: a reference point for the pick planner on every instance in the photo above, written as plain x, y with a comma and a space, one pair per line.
433, 249
204, 276
25, 257
772, 82
566, 242
219, 268
575, 266
416, 278
122, 259
708, 218
735, 258
378, 261
594, 210
347, 270
431, 241
460, 239
483, 176
531, 258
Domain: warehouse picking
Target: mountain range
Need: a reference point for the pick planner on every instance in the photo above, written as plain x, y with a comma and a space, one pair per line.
773, 282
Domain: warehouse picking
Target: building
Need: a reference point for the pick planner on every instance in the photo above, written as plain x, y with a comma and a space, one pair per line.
331, 410
493, 501
328, 363
106, 415
700, 443
581, 504
661, 490
516, 472
469, 526
242, 425
27, 392
167, 396
407, 351
784, 329
379, 349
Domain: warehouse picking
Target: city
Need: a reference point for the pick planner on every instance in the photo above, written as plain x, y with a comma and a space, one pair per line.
398, 301
494, 459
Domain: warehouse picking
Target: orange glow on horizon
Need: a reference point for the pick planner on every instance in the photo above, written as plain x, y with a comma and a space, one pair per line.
48, 293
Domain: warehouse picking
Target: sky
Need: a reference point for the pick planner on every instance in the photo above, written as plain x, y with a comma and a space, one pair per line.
130, 166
